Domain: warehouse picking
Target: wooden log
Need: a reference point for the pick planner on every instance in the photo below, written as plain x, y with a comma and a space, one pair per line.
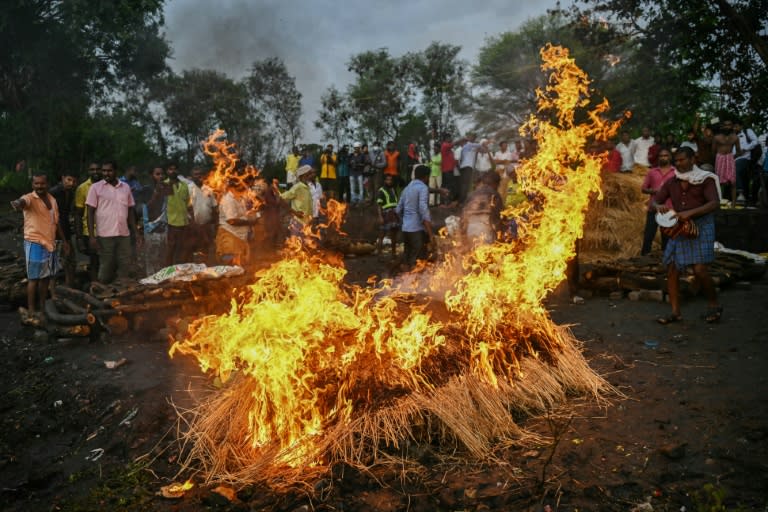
66, 331
150, 306
81, 297
603, 284
117, 325
646, 281
66, 305
53, 314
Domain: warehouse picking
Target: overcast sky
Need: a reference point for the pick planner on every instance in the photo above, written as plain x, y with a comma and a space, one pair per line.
315, 39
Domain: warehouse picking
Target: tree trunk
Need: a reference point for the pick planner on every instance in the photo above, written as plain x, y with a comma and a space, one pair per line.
742, 29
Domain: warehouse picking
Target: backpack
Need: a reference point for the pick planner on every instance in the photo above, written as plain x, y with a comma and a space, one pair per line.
756, 152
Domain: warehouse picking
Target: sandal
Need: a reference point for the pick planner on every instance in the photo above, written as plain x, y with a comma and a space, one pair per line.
669, 319
712, 316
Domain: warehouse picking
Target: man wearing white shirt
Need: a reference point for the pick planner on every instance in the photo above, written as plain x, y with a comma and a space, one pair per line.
624, 147
204, 206
640, 151
744, 164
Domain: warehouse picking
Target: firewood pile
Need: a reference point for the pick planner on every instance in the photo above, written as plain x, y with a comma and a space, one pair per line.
648, 273
13, 279
128, 305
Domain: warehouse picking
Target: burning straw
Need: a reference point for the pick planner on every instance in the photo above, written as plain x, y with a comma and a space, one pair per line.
318, 372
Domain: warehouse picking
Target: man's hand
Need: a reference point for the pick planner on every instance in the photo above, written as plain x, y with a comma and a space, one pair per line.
17, 204
66, 248
444, 192
683, 216
662, 208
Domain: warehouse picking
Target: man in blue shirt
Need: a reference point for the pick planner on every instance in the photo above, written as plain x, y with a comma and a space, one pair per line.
413, 209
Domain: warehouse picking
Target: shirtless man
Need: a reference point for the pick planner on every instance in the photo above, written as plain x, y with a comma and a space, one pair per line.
725, 166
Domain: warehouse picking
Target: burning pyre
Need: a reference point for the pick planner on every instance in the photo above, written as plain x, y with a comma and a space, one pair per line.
316, 371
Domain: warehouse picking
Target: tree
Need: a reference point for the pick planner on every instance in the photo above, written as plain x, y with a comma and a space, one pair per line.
438, 75
335, 116
273, 94
198, 101
380, 95
57, 58
718, 44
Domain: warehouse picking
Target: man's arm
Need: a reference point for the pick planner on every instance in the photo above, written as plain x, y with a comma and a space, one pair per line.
19, 204
426, 218
90, 219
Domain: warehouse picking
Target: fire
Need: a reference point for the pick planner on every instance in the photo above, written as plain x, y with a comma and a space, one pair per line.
314, 355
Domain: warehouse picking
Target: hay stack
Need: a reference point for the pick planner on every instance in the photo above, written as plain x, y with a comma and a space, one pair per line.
613, 227
465, 416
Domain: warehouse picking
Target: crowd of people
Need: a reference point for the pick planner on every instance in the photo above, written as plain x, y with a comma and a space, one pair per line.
124, 227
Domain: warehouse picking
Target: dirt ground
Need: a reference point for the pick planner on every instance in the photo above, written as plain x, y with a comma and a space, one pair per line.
691, 431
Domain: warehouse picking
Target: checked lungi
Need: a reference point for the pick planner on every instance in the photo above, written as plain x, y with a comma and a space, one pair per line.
689, 251
725, 167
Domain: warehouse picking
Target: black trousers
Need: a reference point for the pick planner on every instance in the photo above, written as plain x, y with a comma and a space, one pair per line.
415, 246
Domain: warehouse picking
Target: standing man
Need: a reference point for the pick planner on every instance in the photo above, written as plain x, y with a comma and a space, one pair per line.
203, 228
435, 174
155, 222
179, 213
481, 216
111, 217
389, 222
726, 144
378, 163
652, 183
695, 196
448, 168
342, 175
640, 148
291, 164
41, 227
747, 141
483, 162
624, 147
392, 156
357, 163
328, 162
413, 209
469, 152
505, 160
81, 220
235, 221
64, 193
300, 198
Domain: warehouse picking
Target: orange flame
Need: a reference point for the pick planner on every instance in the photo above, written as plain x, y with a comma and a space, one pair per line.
317, 351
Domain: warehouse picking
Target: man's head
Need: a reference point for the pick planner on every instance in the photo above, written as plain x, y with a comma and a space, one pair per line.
645, 132
726, 127
94, 171
657, 138
172, 171
197, 176
737, 125
40, 184
625, 137
691, 135
669, 138
421, 173
492, 179
295, 150
329, 148
665, 157
391, 146
109, 171
157, 174
389, 180
376, 145
130, 172
304, 173
68, 180
471, 137
503, 145
356, 147
684, 159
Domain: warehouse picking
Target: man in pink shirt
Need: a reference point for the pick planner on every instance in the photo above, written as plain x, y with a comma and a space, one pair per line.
447, 167
652, 183
110, 210
41, 228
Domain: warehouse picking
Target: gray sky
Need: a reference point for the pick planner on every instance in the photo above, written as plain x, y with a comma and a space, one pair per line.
315, 39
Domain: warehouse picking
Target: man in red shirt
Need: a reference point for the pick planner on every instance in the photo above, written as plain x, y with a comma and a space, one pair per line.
695, 196
652, 183
448, 167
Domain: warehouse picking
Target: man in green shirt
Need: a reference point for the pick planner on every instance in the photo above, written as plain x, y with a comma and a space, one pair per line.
300, 198
179, 211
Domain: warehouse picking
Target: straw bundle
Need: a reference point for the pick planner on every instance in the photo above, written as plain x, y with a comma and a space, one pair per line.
465, 414
613, 227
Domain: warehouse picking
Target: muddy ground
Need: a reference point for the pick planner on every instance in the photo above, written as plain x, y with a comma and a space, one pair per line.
692, 430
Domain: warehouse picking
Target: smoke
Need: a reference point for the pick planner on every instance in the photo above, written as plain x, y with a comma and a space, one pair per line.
315, 39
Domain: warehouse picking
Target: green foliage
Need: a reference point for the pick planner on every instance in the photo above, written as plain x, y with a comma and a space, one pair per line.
10, 181
712, 499
700, 48
335, 117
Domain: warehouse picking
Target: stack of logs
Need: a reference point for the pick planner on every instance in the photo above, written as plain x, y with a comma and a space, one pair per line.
135, 307
648, 273
13, 279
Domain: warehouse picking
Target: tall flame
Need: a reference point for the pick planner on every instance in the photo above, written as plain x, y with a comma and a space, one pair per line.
316, 352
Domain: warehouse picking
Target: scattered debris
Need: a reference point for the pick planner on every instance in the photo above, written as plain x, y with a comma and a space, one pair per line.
175, 490
112, 365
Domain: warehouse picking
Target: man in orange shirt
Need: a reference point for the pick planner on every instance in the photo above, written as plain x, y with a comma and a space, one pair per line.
41, 228
392, 156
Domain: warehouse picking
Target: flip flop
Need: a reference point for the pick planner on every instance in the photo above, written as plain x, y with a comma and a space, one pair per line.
669, 319
712, 316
